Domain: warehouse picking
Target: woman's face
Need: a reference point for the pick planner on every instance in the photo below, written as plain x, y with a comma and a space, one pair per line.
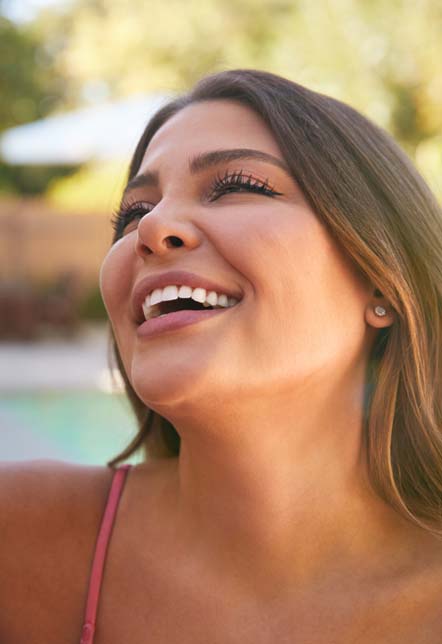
244, 224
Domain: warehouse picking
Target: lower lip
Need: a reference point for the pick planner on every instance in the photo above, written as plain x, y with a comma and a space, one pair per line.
175, 320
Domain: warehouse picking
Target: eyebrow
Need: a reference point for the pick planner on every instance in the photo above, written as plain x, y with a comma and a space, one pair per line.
206, 160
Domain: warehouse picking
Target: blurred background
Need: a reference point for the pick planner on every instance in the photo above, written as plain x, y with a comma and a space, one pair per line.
78, 81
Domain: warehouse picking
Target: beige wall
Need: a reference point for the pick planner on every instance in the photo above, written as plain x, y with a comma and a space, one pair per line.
37, 243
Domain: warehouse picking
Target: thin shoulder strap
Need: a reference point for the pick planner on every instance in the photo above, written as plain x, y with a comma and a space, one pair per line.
87, 634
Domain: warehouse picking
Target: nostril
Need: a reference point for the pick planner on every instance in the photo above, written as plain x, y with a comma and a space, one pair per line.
145, 249
175, 241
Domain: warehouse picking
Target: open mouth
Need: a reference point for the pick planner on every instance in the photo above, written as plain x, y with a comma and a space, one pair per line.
168, 316
162, 309
185, 304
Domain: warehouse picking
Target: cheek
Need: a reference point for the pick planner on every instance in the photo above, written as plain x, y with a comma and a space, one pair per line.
115, 277
275, 249
302, 282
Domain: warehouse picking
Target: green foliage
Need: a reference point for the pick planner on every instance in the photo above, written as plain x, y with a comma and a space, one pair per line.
29, 88
94, 187
92, 306
30, 180
381, 56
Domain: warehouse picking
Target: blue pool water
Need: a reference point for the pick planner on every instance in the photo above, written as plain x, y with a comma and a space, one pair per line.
88, 427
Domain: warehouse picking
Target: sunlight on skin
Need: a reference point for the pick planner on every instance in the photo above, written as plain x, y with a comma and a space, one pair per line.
268, 396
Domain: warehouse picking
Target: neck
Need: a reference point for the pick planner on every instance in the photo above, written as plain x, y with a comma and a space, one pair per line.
280, 496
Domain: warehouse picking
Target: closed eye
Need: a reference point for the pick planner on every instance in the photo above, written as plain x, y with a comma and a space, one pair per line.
238, 182
128, 213
230, 182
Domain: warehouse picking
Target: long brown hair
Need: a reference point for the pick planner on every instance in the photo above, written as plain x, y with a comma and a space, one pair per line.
382, 213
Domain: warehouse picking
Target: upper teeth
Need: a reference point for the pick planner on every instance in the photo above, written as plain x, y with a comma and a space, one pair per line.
207, 298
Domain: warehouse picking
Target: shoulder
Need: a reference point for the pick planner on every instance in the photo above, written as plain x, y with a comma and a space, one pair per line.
45, 493
50, 512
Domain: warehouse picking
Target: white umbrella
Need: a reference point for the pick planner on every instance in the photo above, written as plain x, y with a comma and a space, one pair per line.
106, 131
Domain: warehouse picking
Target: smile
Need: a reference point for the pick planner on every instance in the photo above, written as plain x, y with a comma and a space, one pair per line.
176, 320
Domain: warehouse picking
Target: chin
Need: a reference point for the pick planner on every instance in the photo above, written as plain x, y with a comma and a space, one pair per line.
166, 384
179, 385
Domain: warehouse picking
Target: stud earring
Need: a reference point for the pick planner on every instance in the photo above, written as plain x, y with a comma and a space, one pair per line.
379, 310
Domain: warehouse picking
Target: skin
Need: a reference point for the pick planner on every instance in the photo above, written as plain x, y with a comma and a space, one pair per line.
265, 528
271, 488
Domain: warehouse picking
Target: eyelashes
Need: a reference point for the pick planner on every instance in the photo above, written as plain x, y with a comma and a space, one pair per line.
228, 183
126, 213
236, 181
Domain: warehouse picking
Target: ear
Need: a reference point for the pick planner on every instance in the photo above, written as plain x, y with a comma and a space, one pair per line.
375, 309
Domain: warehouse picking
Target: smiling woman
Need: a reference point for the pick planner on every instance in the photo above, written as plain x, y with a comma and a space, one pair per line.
363, 189
274, 289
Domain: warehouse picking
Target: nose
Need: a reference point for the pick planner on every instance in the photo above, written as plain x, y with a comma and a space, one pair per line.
158, 233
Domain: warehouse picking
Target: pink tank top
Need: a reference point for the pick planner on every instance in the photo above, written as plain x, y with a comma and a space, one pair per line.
96, 577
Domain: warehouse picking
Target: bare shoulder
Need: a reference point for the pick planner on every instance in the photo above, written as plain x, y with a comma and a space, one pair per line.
45, 494
50, 512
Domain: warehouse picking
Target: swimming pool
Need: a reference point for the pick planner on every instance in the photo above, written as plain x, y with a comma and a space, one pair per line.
87, 427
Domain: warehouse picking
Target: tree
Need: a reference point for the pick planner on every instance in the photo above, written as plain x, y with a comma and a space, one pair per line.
29, 88
381, 56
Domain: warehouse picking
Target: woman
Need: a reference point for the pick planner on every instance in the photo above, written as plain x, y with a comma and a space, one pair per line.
289, 398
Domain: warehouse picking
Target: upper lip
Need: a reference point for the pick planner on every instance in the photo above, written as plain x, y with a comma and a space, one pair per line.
151, 282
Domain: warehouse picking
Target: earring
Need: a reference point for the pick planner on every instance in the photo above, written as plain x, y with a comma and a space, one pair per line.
379, 310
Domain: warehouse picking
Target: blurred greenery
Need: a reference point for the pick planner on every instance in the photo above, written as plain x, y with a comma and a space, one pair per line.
94, 187
30, 87
30, 180
92, 306
381, 56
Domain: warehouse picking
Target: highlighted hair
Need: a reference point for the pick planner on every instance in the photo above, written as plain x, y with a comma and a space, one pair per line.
377, 206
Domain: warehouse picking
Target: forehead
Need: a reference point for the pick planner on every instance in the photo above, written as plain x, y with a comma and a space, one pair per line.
209, 125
